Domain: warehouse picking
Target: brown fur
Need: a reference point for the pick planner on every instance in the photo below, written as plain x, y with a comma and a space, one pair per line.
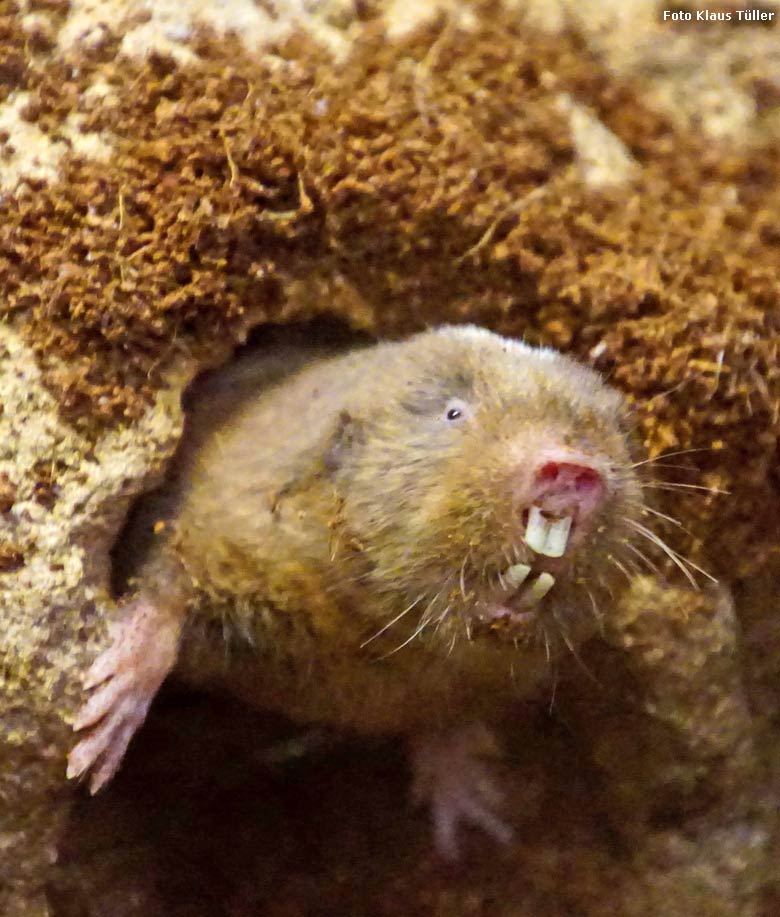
311, 511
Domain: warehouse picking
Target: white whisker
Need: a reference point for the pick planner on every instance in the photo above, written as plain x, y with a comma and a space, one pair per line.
620, 567
668, 485
463, 577
416, 633
452, 642
657, 458
546, 645
426, 617
443, 617
671, 519
572, 649
660, 543
389, 624
599, 618
648, 509
653, 567
554, 688
677, 467
681, 562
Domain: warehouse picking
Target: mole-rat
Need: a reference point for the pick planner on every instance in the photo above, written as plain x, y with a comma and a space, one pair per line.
406, 534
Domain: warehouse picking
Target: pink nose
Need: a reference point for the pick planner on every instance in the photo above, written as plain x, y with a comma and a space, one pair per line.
567, 488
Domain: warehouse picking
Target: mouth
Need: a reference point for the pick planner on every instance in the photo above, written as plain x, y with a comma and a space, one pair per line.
513, 606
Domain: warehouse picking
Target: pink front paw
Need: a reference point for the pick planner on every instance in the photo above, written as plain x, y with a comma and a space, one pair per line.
453, 774
126, 677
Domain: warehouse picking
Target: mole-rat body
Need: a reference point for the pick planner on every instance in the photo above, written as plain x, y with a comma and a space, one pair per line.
404, 533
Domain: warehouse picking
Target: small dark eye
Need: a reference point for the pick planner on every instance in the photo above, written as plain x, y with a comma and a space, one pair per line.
456, 410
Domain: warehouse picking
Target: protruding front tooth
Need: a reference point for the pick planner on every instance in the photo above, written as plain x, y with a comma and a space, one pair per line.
557, 537
544, 537
516, 575
540, 587
537, 530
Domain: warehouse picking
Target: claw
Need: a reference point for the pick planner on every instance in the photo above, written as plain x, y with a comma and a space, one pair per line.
126, 677
112, 758
103, 667
103, 701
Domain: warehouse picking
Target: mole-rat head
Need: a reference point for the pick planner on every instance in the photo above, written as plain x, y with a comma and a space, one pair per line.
488, 482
